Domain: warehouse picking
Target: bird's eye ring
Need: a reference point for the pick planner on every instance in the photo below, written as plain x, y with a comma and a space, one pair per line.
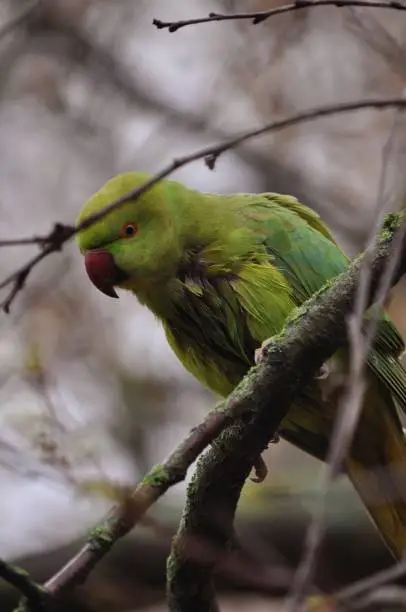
128, 230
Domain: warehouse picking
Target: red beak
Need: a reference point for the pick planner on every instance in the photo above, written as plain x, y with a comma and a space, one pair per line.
103, 272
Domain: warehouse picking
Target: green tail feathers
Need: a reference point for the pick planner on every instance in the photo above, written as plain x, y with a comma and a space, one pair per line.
384, 362
377, 469
376, 462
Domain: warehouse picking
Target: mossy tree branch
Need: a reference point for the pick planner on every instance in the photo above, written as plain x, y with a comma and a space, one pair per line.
310, 337
34, 595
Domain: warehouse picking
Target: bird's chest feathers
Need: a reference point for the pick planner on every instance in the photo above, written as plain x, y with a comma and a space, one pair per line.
220, 315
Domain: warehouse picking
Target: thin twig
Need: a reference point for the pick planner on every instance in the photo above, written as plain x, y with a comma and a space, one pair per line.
24, 241
18, 278
260, 16
60, 234
384, 598
361, 587
210, 154
20, 580
350, 405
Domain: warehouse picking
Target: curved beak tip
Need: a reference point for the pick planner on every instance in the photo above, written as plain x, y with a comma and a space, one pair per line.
102, 271
109, 291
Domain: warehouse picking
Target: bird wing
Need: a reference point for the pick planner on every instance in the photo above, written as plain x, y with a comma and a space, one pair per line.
303, 249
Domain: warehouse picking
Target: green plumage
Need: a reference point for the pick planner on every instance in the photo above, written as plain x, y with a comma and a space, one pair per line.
222, 273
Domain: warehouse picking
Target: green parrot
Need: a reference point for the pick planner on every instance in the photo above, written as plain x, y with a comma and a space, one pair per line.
222, 273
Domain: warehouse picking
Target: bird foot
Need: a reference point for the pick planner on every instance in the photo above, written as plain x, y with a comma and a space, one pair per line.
261, 351
261, 471
322, 372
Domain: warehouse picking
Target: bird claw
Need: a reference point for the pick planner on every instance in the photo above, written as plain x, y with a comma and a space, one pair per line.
261, 471
322, 372
261, 352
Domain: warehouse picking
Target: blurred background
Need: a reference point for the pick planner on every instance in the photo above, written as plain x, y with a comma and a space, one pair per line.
90, 394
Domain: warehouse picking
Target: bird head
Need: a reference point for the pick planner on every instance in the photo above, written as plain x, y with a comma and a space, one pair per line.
133, 245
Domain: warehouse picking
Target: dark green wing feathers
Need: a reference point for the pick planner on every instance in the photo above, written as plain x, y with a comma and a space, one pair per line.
298, 243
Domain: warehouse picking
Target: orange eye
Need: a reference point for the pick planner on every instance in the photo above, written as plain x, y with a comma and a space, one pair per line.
128, 230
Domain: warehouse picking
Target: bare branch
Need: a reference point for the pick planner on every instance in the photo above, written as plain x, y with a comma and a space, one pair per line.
23, 241
366, 585
18, 278
60, 234
260, 16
